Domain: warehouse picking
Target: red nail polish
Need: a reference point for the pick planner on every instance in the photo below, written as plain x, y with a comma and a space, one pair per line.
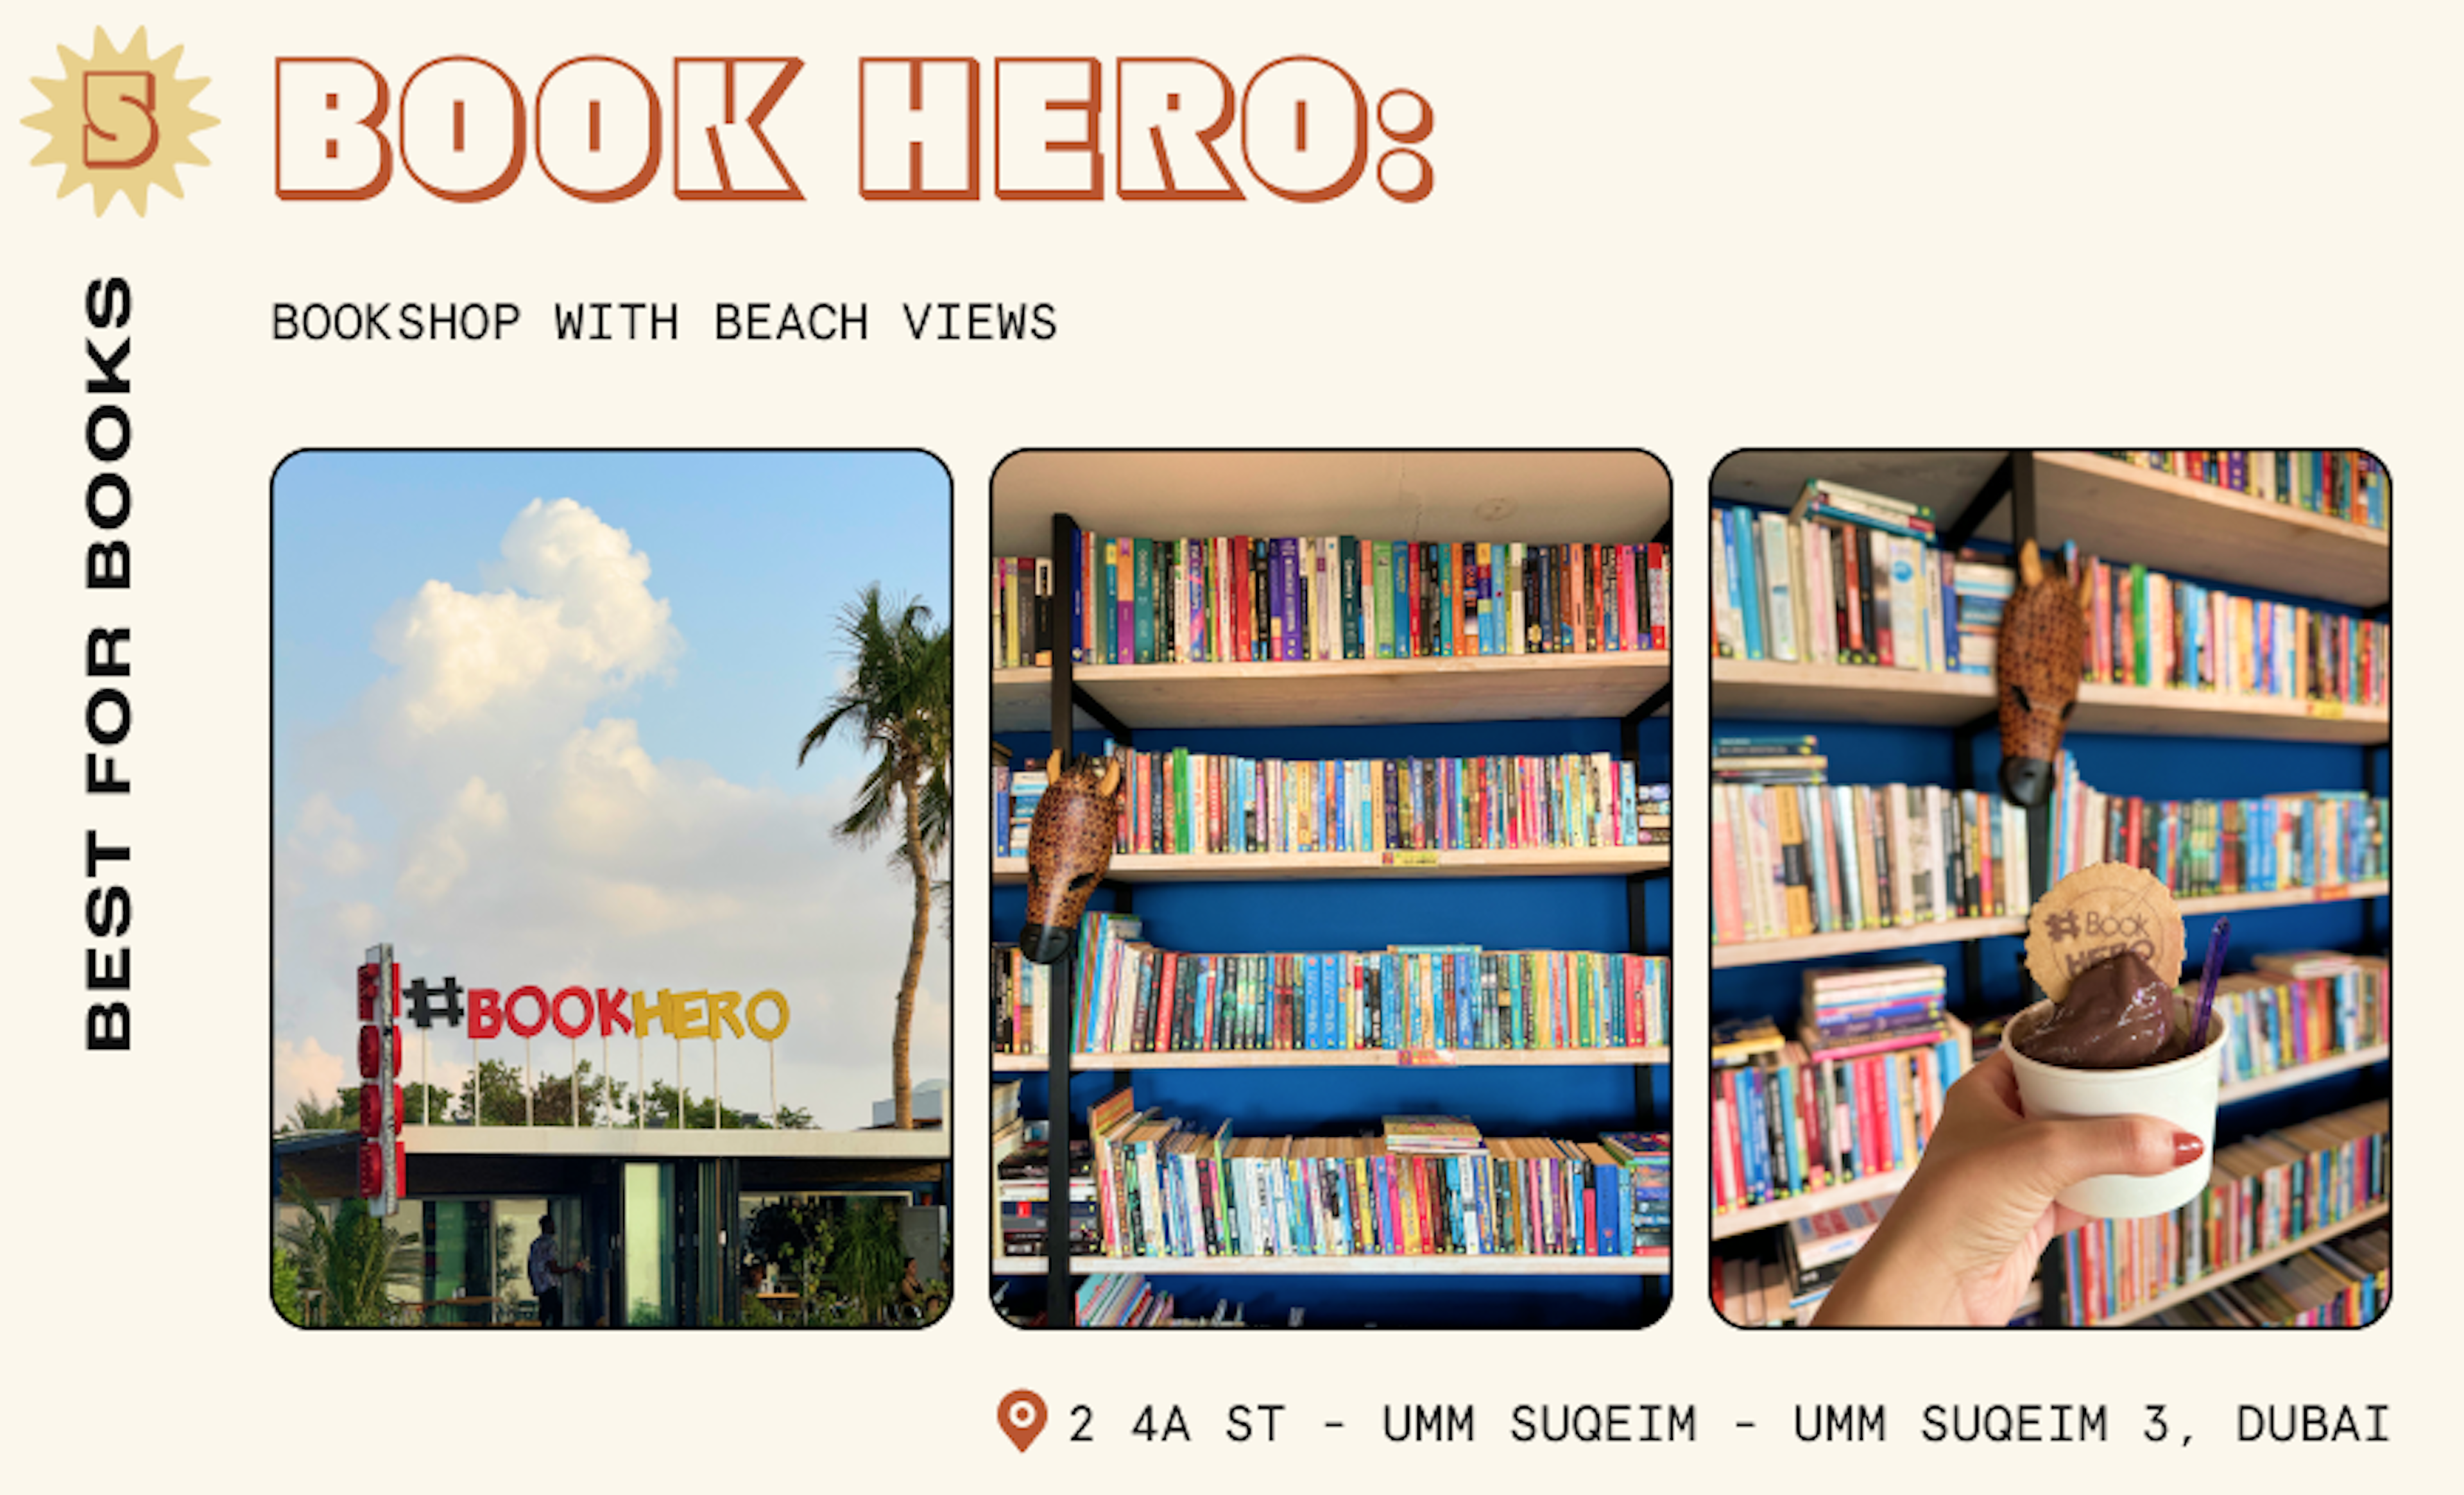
2187, 1148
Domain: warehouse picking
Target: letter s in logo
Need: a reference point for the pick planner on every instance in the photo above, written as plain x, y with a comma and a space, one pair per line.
120, 134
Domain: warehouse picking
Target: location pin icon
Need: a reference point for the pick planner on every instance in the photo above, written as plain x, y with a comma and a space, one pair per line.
1021, 1418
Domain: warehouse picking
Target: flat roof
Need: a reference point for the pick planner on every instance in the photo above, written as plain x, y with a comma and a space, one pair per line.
656, 1142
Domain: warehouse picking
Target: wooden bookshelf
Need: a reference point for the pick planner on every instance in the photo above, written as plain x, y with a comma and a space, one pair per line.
2171, 524
1343, 692
2281, 898
2113, 510
1949, 931
2304, 1075
1303, 866
1850, 943
1769, 690
1349, 1058
1779, 1212
1652, 1264
2244, 1268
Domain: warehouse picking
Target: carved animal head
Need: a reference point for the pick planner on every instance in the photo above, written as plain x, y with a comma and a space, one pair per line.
2037, 668
1068, 849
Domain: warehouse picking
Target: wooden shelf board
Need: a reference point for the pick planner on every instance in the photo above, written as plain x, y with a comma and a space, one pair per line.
2243, 1268
1303, 866
2287, 1078
2129, 514
1343, 692
1898, 936
1654, 1264
2116, 511
2282, 898
1762, 1216
1901, 936
1765, 689
1536, 497
1351, 1059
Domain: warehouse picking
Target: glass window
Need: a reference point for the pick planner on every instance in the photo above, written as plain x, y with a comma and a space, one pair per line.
650, 1244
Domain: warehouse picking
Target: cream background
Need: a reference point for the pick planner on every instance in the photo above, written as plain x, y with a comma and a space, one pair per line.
1682, 228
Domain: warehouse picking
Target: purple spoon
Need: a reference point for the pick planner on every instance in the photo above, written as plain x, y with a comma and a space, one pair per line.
2208, 977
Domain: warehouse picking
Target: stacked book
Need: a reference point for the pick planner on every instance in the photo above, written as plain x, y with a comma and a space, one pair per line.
2262, 1194
2338, 1283
2342, 485
1134, 998
1768, 760
1294, 599
1016, 793
1021, 1198
2327, 838
1843, 578
1981, 587
2150, 630
1789, 860
1756, 1289
1168, 1189
1180, 802
2300, 1007
1855, 1095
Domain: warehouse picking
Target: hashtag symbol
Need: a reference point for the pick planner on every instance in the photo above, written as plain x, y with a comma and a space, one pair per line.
2063, 926
425, 1007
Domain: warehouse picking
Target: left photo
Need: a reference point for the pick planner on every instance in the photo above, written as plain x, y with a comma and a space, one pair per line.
610, 814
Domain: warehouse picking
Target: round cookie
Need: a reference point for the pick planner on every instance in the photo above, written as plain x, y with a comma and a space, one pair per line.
2096, 912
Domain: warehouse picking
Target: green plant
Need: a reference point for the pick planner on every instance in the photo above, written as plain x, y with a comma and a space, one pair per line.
896, 704
286, 1287
870, 1257
348, 1264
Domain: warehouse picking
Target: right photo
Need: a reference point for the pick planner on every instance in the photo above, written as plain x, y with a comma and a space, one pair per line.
2050, 862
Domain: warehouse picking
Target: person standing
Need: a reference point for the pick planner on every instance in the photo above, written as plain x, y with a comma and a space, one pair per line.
546, 1273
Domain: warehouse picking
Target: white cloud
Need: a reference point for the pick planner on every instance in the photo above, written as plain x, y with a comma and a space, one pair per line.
327, 838
545, 842
577, 620
441, 852
304, 1070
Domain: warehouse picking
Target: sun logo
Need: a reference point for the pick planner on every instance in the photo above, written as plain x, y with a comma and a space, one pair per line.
121, 122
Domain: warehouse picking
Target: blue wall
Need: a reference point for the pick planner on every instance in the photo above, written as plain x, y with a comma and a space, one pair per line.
1368, 913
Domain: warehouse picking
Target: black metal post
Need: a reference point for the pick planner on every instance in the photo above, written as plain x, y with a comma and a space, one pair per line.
1059, 1300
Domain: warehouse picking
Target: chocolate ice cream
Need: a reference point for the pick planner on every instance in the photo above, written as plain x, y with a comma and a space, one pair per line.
2119, 1014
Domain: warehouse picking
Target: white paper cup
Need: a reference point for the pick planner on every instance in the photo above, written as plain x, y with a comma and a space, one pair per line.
2182, 1093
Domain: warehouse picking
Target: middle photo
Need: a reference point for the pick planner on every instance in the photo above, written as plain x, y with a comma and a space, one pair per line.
1330, 808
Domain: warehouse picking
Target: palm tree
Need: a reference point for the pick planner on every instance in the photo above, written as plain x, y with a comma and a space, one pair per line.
306, 1115
346, 1263
894, 700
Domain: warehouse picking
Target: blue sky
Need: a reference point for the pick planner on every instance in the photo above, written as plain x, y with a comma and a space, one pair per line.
756, 551
536, 721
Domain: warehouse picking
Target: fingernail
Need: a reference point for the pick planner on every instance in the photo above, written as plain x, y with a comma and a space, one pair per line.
2187, 1148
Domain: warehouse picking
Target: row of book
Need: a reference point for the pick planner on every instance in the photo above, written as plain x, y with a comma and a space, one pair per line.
2302, 1007
2148, 628
1789, 860
1791, 1116
1418, 1187
1180, 802
2338, 1283
2262, 1193
1848, 578
1238, 598
1828, 586
2198, 848
2342, 485
1133, 998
